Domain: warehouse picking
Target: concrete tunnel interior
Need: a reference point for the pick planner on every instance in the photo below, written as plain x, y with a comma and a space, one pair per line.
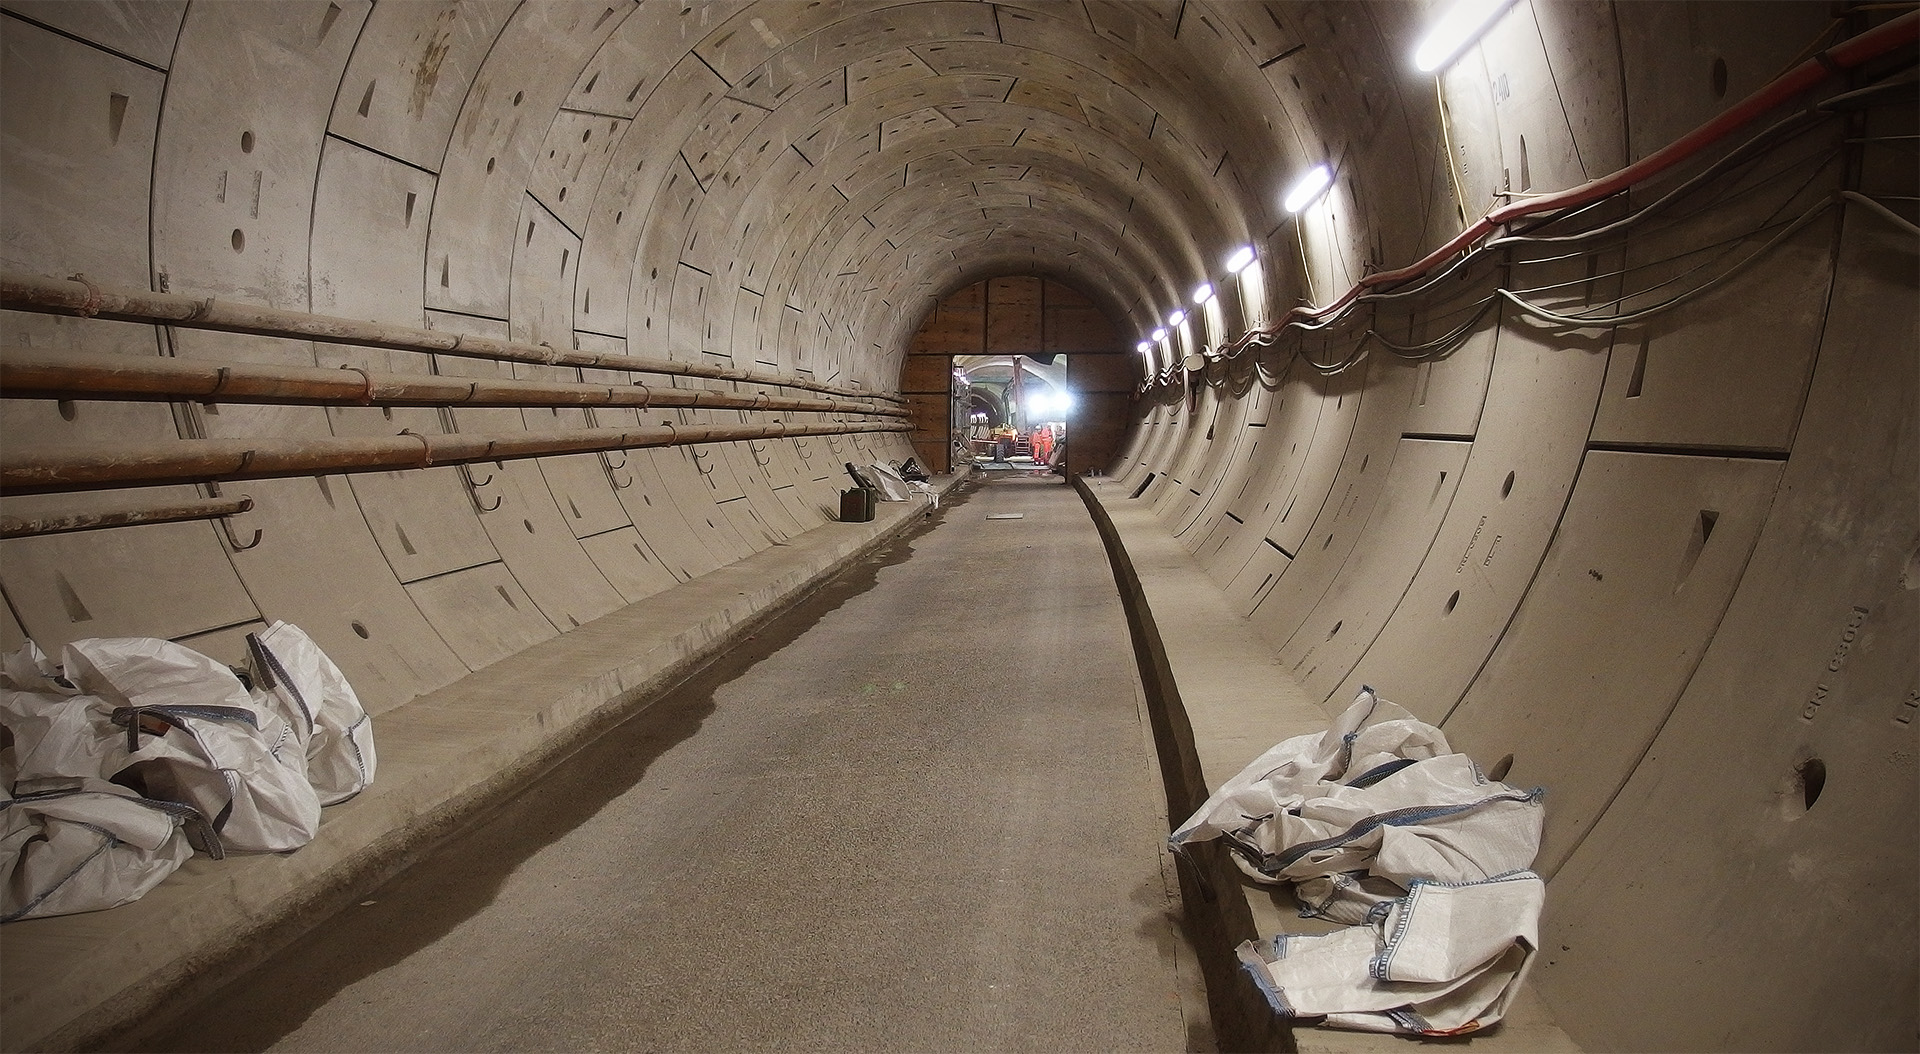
1620, 492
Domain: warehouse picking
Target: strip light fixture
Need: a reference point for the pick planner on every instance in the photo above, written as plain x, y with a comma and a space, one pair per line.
1203, 292
1307, 189
1240, 259
1455, 31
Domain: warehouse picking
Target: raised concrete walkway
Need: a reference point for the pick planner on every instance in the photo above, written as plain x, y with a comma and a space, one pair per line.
68, 982
916, 812
1238, 702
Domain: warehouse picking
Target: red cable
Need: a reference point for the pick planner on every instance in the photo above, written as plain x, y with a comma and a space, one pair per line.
1845, 55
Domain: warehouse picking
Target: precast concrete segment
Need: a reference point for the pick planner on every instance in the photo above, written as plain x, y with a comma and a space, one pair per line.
919, 816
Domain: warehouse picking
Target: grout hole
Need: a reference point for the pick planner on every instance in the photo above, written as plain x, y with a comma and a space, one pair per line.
246, 142
1718, 77
68, 411
360, 630
239, 240
1500, 768
1813, 780
1451, 601
1335, 629
517, 96
528, 524
1507, 487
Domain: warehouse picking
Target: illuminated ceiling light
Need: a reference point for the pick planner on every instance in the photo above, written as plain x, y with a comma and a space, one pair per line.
1459, 27
1240, 259
1143, 347
1177, 317
1308, 188
1159, 334
1203, 292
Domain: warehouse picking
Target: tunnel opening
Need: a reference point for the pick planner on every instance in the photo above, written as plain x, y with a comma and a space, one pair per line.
1023, 371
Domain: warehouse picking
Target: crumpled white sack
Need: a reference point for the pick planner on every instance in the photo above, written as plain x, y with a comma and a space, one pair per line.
1444, 959
58, 731
893, 486
238, 762
313, 697
86, 846
1378, 795
1382, 827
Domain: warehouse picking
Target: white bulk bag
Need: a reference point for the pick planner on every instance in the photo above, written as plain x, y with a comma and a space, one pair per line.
1442, 960
313, 696
1381, 826
892, 485
57, 730
1357, 812
194, 734
86, 846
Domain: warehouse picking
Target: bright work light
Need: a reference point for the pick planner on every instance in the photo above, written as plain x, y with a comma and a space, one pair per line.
1460, 26
1308, 188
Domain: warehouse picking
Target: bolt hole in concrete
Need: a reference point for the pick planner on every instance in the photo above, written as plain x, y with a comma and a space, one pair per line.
528, 524
1812, 775
1507, 487
1451, 601
239, 240
246, 142
1500, 768
1335, 629
68, 411
1718, 76
360, 630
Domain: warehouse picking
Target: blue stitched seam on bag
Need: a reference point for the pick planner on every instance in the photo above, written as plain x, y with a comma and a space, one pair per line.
1257, 972
1396, 818
1381, 772
280, 674
110, 842
1377, 966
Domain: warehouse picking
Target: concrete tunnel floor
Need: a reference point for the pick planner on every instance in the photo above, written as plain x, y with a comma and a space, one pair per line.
919, 811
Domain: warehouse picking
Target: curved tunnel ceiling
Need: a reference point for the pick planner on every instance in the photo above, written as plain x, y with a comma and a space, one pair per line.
855, 162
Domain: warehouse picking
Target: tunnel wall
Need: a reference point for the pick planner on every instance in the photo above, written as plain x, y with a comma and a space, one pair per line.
1665, 569
1513, 539
384, 164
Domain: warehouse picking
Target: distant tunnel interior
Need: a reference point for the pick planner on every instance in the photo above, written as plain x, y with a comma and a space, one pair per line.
1624, 489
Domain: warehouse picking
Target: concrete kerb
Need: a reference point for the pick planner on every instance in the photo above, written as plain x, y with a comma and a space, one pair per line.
77, 981
1218, 919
